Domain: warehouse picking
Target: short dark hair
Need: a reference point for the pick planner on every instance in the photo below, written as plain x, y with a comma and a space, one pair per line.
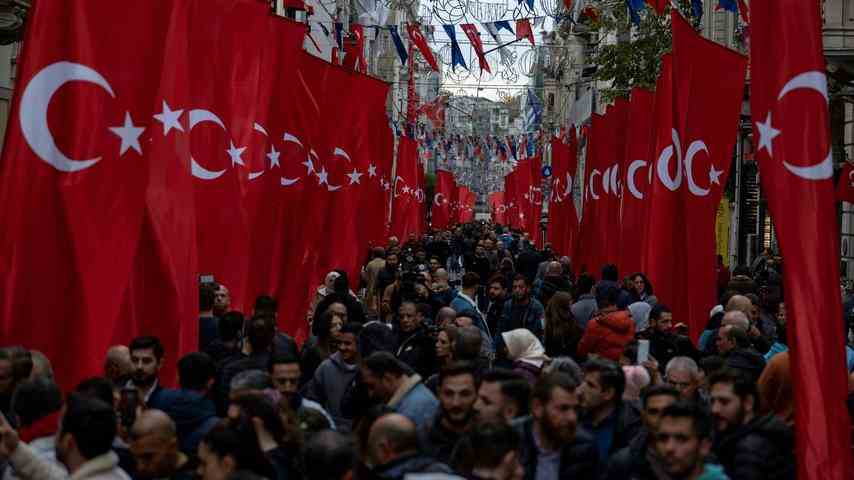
266, 304
742, 384
607, 295
92, 424
241, 444
610, 375
35, 399
382, 362
513, 385
739, 337
456, 369
701, 420
499, 279
471, 279
424, 309
97, 387
260, 332
148, 342
351, 327
547, 383
525, 279
329, 455
467, 343
657, 310
206, 297
195, 370
281, 358
657, 390
230, 326
485, 446
585, 284
610, 272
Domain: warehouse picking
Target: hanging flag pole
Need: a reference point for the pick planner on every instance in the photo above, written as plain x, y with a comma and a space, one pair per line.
503, 45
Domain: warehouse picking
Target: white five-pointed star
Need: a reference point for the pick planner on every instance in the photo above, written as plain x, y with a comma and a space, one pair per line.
273, 156
715, 175
235, 154
372, 171
129, 133
406, 189
170, 119
767, 133
309, 166
354, 176
322, 176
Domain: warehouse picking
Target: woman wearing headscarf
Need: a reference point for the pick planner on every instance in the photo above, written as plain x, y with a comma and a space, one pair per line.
526, 352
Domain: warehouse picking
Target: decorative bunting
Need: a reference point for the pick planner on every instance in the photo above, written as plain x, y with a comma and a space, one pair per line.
504, 25
398, 44
474, 36
414, 31
523, 30
456, 53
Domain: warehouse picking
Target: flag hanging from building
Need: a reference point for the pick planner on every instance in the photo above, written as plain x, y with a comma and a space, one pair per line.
533, 112
474, 36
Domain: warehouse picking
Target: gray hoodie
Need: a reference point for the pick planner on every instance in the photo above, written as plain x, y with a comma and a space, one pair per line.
328, 385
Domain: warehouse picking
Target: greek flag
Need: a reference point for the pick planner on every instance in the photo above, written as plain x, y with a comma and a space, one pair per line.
533, 112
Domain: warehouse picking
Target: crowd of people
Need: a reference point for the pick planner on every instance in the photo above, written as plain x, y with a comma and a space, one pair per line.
467, 353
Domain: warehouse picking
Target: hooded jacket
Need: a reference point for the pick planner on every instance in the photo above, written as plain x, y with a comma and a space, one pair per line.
607, 335
328, 385
760, 449
194, 415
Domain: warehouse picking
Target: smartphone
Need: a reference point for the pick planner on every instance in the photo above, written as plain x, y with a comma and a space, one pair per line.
128, 403
643, 351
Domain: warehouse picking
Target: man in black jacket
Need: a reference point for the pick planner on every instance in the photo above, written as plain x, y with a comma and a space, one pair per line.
633, 460
551, 436
416, 347
747, 445
663, 343
393, 449
457, 395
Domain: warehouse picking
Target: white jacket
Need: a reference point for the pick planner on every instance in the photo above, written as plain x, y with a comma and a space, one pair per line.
28, 466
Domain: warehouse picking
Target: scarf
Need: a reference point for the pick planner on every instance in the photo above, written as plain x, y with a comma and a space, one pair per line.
43, 427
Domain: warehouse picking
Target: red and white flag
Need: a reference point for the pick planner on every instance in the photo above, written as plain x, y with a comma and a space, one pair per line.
407, 214
417, 38
789, 103
845, 184
445, 196
563, 219
498, 208
471, 32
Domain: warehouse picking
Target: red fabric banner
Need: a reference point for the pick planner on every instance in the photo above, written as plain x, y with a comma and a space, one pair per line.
590, 252
466, 202
845, 185
445, 196
471, 32
789, 100
498, 208
407, 214
417, 38
523, 30
563, 219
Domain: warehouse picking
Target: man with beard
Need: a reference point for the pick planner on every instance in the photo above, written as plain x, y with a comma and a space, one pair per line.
503, 395
635, 459
663, 343
683, 442
612, 421
522, 311
387, 275
457, 395
154, 445
416, 347
146, 354
497, 294
748, 446
387, 380
553, 446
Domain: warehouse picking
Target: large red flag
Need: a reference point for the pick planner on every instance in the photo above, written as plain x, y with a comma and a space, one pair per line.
534, 200
510, 198
467, 201
498, 208
613, 153
589, 245
563, 219
115, 251
446, 189
635, 172
693, 160
407, 215
845, 186
789, 102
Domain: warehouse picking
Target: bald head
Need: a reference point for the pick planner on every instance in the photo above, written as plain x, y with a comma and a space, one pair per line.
736, 319
117, 364
391, 436
154, 422
446, 315
554, 268
739, 303
441, 275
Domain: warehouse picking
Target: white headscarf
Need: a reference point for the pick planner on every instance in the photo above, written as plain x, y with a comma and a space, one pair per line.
524, 346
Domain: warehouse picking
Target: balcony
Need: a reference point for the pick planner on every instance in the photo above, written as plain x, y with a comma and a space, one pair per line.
838, 31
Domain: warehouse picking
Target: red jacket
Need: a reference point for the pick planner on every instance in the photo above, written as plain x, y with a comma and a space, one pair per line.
607, 335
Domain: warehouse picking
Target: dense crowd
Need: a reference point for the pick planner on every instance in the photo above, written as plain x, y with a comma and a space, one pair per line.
463, 354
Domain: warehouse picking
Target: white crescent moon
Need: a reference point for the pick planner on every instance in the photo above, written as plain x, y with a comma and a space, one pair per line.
258, 128
696, 147
850, 180
338, 153
606, 180
664, 163
419, 196
568, 190
34, 105
287, 137
502, 208
593, 192
817, 81
615, 184
198, 116
394, 192
630, 178
436, 198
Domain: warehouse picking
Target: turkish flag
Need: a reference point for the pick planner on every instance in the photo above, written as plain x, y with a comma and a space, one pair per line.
845, 184
563, 219
354, 49
408, 204
510, 197
109, 149
613, 153
789, 100
417, 38
467, 201
446, 189
498, 208
534, 200
471, 32
693, 160
634, 210
589, 244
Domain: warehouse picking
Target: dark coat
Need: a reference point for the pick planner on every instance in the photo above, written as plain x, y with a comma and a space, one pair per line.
630, 461
532, 319
760, 449
414, 463
418, 350
439, 442
665, 346
194, 415
578, 458
627, 425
